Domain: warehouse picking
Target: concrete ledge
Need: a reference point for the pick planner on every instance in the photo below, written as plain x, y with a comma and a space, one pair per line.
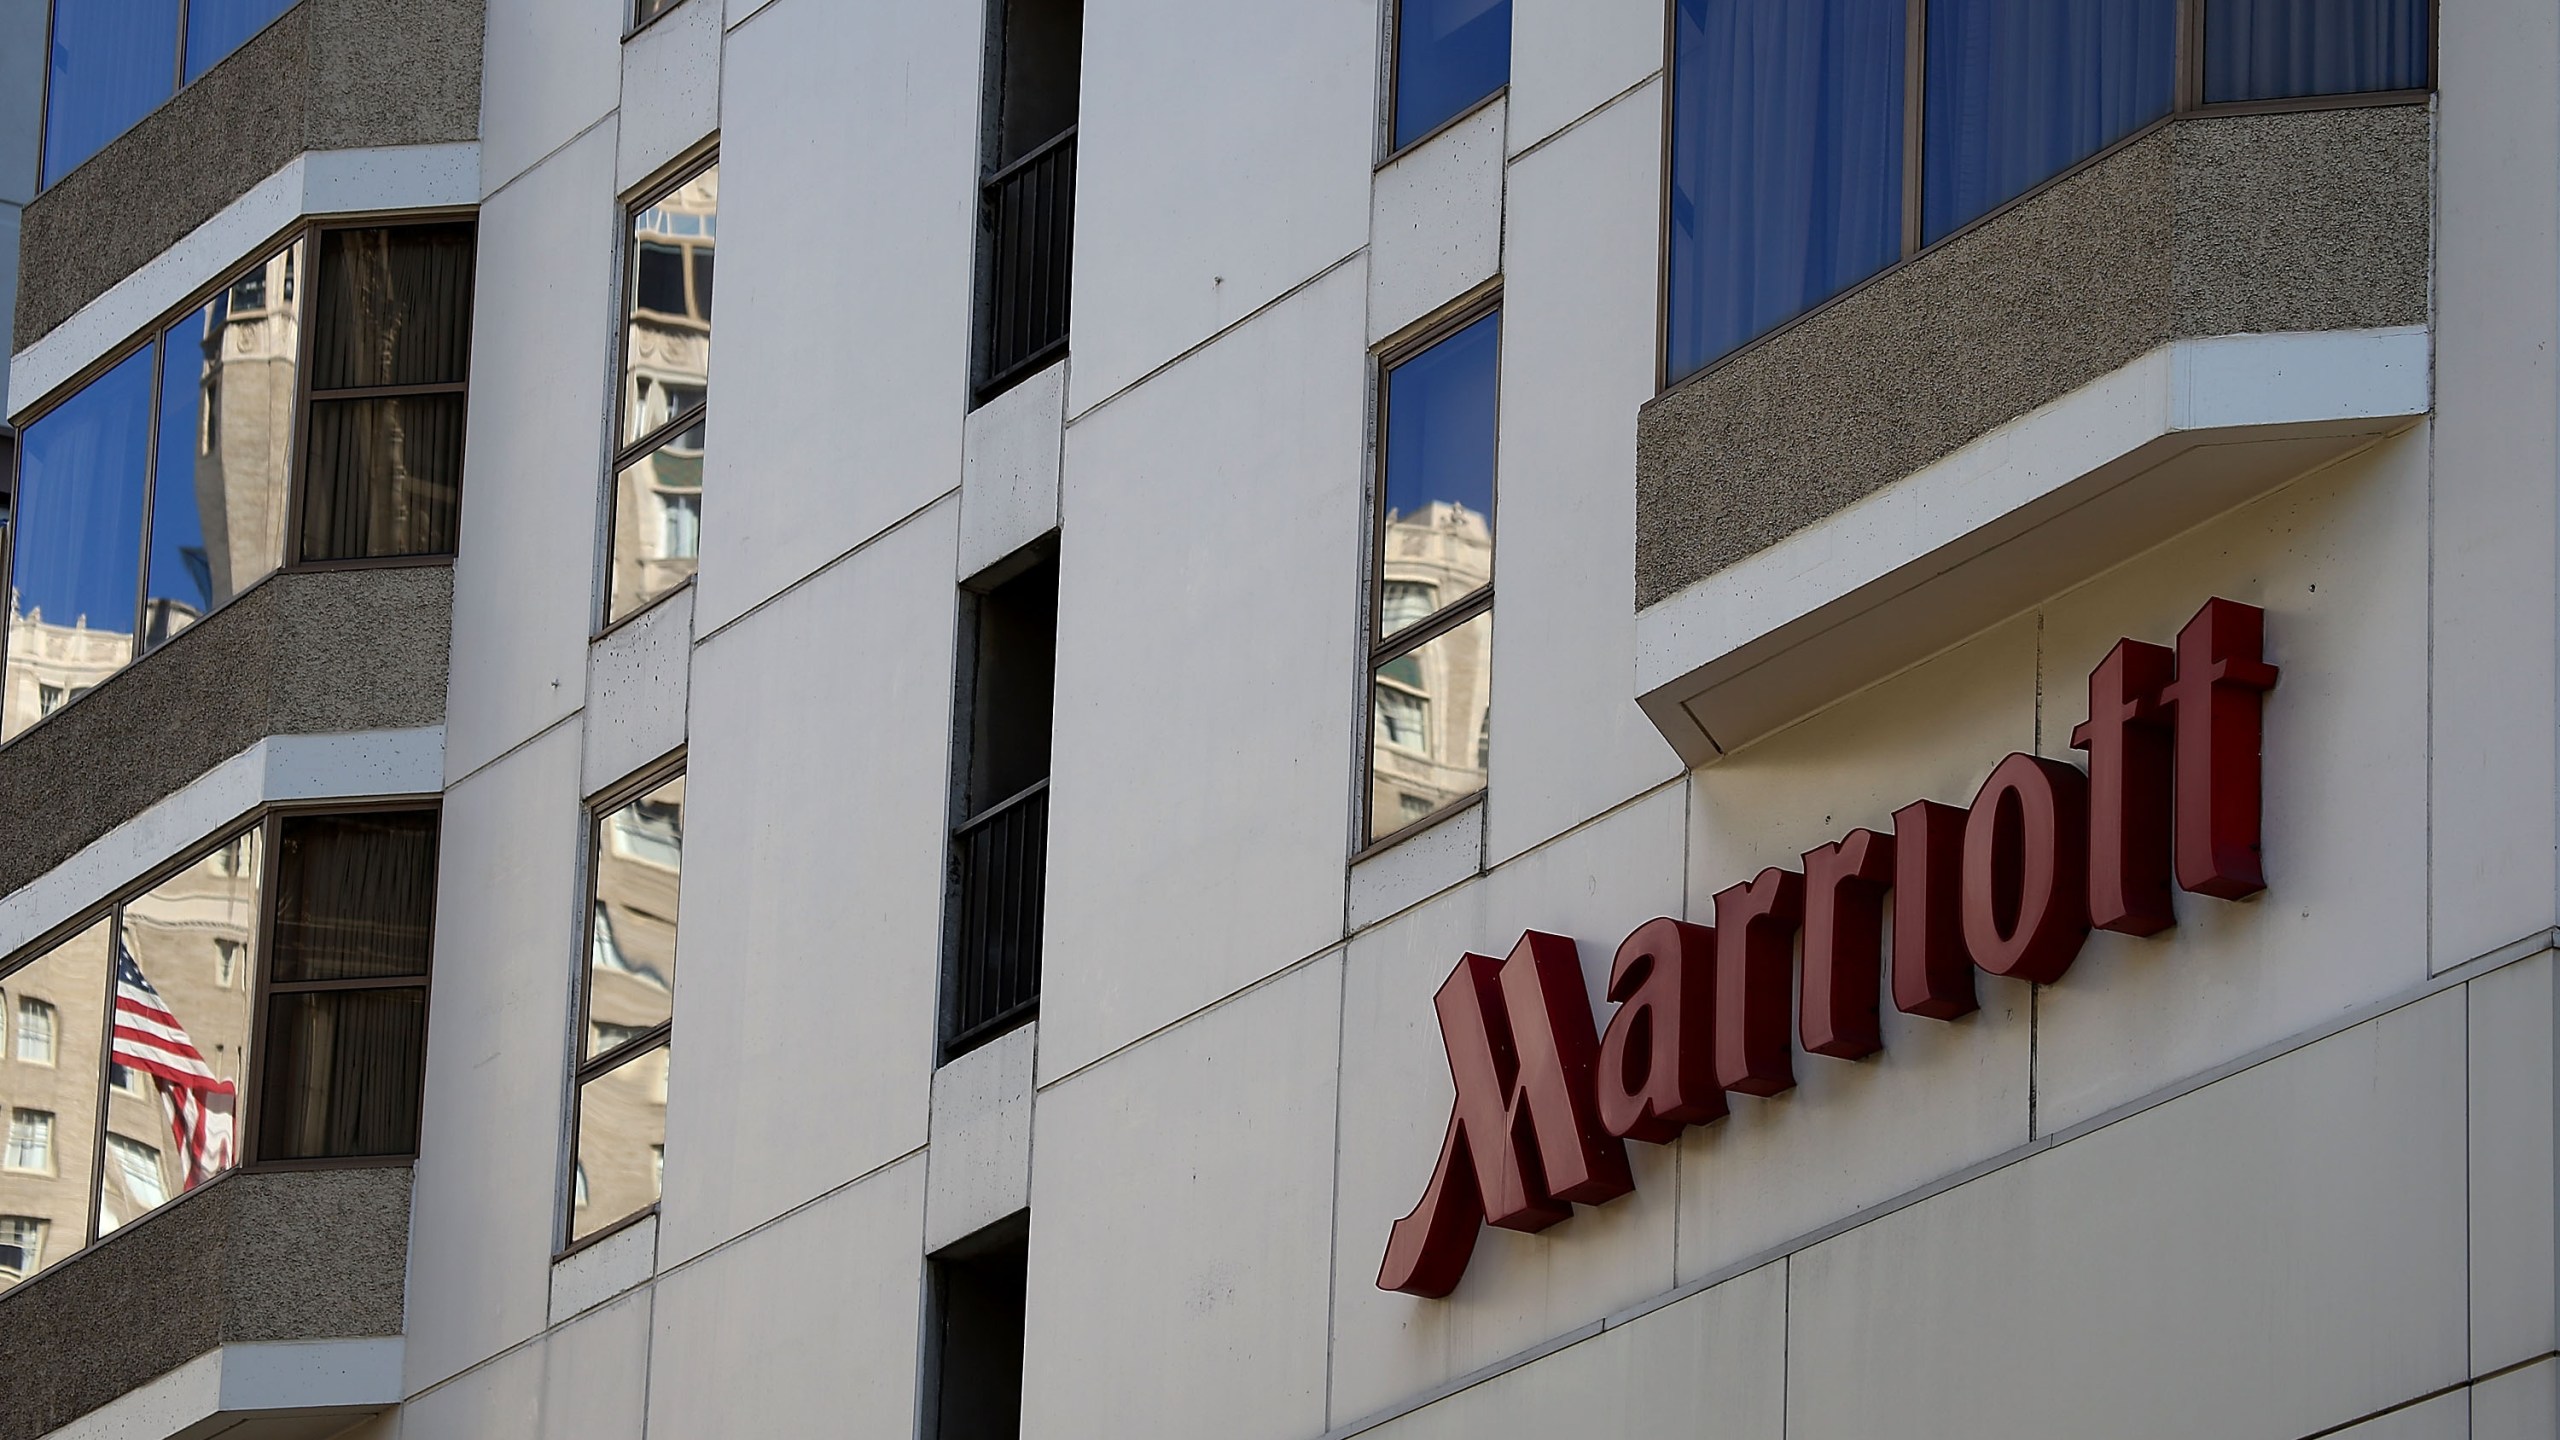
301, 653
211, 1310
327, 75
2229, 225
2181, 434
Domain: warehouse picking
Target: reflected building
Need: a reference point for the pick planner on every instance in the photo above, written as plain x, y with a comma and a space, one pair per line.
666, 370
1430, 712
622, 1111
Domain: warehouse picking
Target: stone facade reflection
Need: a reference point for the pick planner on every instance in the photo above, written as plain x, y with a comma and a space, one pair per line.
631, 991
1430, 708
657, 511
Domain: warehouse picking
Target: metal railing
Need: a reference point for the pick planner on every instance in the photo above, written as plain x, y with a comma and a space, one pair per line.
1029, 211
1000, 864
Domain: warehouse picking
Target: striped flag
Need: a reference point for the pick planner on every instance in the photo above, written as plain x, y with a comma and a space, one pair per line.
198, 1103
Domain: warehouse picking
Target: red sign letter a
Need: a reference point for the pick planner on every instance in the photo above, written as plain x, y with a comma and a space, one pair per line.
1523, 1137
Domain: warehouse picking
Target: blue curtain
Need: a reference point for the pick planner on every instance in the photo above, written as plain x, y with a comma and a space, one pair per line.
82, 470
2020, 90
215, 28
113, 62
1786, 162
1449, 55
2278, 49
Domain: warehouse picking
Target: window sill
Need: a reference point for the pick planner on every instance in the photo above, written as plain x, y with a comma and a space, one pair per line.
1416, 862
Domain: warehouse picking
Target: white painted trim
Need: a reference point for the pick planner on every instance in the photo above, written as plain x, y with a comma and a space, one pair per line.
2328, 391
234, 1382
317, 182
279, 768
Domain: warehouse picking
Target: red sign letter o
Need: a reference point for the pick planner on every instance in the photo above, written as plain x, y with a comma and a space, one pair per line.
2026, 869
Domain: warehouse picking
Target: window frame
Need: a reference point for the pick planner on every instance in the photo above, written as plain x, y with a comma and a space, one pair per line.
1391, 45
306, 232
584, 1068
2187, 102
1452, 613
621, 453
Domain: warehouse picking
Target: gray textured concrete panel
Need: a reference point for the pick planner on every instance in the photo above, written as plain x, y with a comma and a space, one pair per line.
327, 75
2305, 221
310, 653
306, 1255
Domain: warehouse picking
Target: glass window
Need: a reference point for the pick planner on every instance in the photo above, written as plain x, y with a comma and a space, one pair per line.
77, 546
629, 1004
1449, 55
390, 358
1786, 163
21, 1246
2019, 91
35, 1031
50, 1111
644, 11
135, 1184
666, 376
1433, 568
346, 1015
2280, 49
113, 62
30, 1141
215, 28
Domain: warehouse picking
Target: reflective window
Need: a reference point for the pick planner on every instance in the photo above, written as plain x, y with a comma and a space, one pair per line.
644, 11
49, 1156
114, 61
1449, 55
21, 1247
30, 1141
1786, 162
1432, 573
628, 1006
666, 376
2280, 49
2018, 91
77, 548
1802, 163
35, 1031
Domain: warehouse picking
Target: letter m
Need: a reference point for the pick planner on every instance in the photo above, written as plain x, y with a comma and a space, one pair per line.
1524, 1138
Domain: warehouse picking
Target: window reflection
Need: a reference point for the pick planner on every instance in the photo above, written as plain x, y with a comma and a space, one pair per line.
83, 469
628, 1008
1430, 716
666, 368
49, 1104
1449, 55
622, 1135
114, 61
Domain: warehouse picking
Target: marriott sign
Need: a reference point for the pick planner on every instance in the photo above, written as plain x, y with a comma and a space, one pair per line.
2011, 885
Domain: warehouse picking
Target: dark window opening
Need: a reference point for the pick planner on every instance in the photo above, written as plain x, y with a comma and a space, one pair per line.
975, 1343
999, 841
1026, 205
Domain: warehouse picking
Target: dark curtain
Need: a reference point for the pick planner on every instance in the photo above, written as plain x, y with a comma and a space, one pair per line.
1786, 162
394, 307
355, 896
342, 1069
2019, 91
2279, 49
384, 477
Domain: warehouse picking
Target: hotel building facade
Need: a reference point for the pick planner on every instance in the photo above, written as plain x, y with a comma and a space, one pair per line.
1997, 872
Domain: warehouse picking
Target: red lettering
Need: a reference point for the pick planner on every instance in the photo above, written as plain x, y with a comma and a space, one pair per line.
2127, 736
1844, 888
2217, 701
1523, 1140
1657, 1071
1755, 960
2026, 869
1932, 972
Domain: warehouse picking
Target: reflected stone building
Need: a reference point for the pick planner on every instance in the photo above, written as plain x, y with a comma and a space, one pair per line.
666, 368
1431, 711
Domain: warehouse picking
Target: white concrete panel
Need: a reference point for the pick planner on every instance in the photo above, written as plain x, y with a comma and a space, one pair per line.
551, 68
320, 182
2336, 561
740, 11
484, 1212
621, 1261
2207, 1267
638, 677
275, 769
1435, 222
1416, 868
1222, 159
1569, 57
2515, 1252
1520, 1291
1713, 1365
1011, 451
979, 1169
595, 1375
1577, 359
1200, 787
813, 896
501, 1400
524, 580
670, 91
1179, 1198
2494, 667
840, 370
2446, 1417
1941, 1095
807, 1327
2521, 1405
